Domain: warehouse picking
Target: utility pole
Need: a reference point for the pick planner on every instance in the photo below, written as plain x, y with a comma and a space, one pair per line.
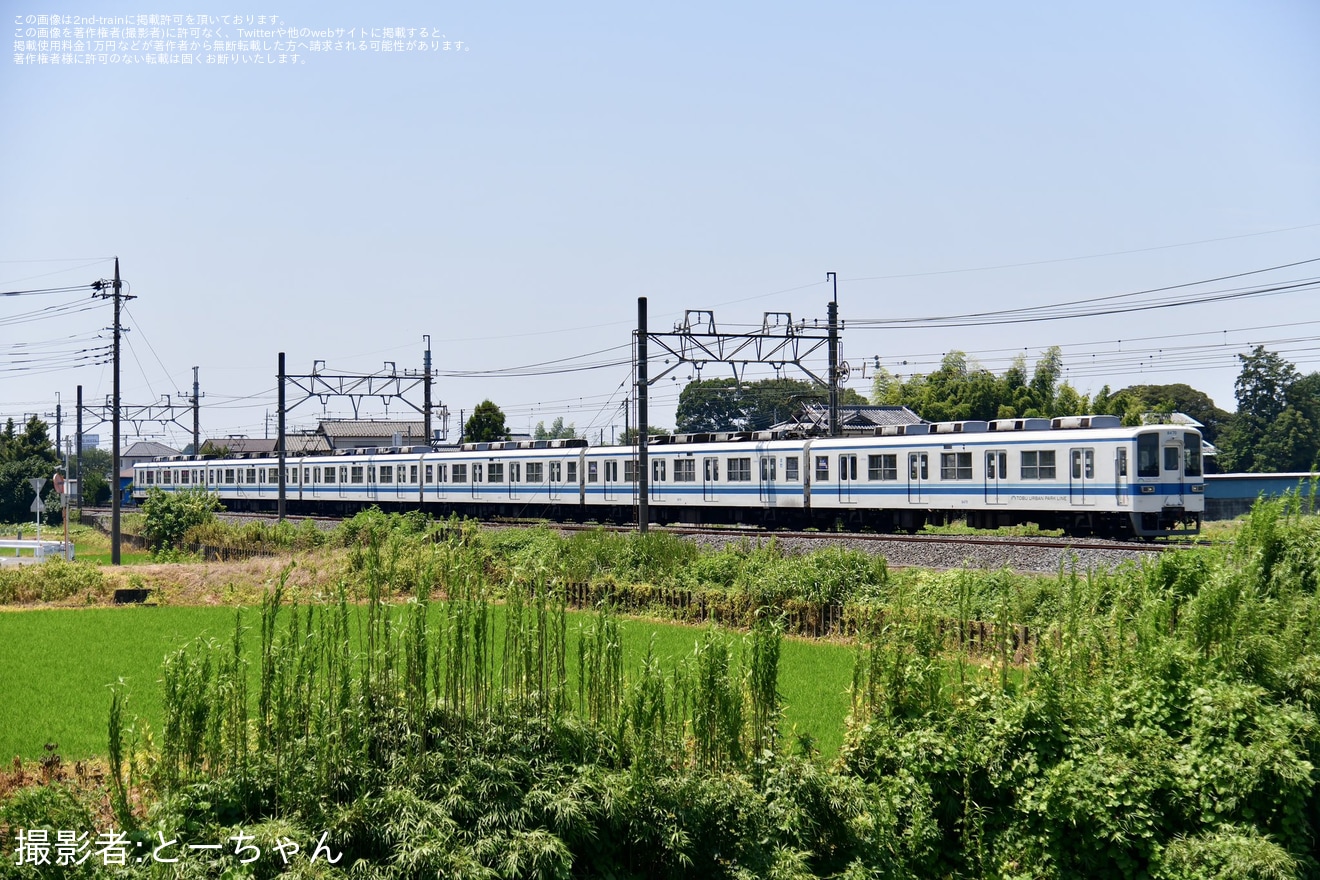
279, 442
78, 454
117, 293
833, 314
59, 420
643, 474
196, 401
115, 464
426, 390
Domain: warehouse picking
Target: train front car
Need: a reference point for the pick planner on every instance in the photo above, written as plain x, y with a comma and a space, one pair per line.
1165, 482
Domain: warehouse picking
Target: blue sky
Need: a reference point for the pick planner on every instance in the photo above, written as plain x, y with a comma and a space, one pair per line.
513, 199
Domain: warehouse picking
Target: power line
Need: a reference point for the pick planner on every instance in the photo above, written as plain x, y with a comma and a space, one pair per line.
1091, 307
1083, 257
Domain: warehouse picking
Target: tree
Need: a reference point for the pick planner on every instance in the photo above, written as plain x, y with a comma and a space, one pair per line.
22, 457
1262, 395
713, 405
557, 430
485, 424
1288, 444
961, 390
629, 436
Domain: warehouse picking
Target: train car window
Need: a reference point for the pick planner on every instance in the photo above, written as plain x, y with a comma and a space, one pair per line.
412, 474
572, 472
343, 474
1172, 458
791, 468
611, 472
430, 473
882, 467
371, 473
740, 470
1120, 465
316, 475
823, 468
535, 472
356, 474
460, 473
1083, 460
1192, 455
442, 473
252, 476
591, 472
476, 473
165, 476
261, 475
1148, 455
229, 475
658, 468
556, 472
685, 470
387, 473
151, 478
330, 475
515, 472
710, 470
1037, 465
211, 475
955, 465
767, 469
629, 471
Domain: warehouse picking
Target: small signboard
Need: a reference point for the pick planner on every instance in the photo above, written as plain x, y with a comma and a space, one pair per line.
37, 484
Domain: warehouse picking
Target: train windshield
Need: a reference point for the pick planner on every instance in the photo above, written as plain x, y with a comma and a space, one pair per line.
1191, 454
1148, 455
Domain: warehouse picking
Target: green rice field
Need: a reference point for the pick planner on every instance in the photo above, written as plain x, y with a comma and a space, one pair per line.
57, 665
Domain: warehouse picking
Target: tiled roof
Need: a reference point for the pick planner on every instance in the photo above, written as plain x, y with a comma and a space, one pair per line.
147, 449
372, 428
856, 417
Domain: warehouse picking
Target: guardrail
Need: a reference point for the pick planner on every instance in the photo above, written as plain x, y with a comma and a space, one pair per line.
33, 551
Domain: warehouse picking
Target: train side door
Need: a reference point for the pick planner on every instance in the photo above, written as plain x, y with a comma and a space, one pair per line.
847, 476
556, 469
996, 472
515, 479
1121, 476
710, 477
1081, 475
918, 473
372, 486
1173, 471
659, 474
767, 481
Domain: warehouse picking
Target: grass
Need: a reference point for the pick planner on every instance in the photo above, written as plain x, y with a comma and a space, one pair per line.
57, 665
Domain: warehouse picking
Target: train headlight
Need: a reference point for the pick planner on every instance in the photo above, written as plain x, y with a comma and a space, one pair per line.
1147, 490
1198, 489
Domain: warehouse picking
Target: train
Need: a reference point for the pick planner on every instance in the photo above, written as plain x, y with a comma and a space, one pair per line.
1084, 474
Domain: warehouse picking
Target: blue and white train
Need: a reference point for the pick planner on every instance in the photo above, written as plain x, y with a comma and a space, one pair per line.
1085, 474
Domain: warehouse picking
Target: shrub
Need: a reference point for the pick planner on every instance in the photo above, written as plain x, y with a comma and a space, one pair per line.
167, 516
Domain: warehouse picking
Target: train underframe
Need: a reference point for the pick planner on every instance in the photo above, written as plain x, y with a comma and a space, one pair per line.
1169, 522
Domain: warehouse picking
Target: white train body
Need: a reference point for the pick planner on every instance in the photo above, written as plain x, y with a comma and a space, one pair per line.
1086, 474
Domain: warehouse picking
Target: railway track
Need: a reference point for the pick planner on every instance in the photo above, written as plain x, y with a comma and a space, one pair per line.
1034, 554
